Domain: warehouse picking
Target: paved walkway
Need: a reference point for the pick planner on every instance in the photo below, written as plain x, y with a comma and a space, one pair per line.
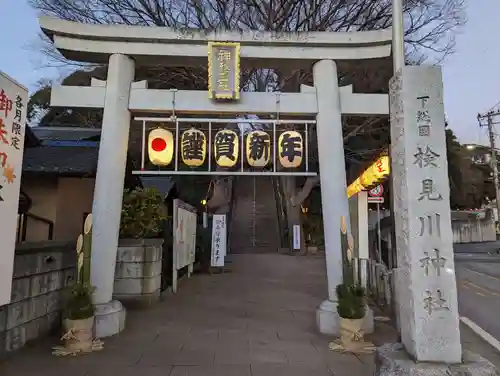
258, 320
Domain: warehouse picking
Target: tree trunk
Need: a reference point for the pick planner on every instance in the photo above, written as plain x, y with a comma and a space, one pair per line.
220, 200
305, 191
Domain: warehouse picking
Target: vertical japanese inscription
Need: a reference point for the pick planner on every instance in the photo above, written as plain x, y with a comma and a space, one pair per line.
13, 102
224, 70
217, 240
9, 138
426, 158
423, 118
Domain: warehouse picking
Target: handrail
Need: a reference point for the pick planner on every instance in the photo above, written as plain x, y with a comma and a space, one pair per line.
38, 218
280, 209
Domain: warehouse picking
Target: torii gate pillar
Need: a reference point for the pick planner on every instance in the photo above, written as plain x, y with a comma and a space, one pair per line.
333, 189
108, 194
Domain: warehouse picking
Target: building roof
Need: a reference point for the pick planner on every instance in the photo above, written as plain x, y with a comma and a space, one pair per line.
163, 184
65, 133
59, 160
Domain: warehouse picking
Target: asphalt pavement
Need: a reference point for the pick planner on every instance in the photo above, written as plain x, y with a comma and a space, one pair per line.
477, 269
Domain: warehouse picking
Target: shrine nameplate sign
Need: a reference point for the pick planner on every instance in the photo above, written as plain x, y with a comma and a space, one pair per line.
224, 71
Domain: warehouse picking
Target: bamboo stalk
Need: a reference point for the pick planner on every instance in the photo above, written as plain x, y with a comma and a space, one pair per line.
79, 258
87, 248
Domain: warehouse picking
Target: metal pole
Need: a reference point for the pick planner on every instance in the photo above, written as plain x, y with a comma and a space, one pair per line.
379, 233
398, 33
274, 146
209, 146
143, 151
494, 163
242, 149
176, 146
307, 147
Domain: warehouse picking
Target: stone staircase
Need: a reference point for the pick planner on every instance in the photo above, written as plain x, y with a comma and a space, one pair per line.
254, 227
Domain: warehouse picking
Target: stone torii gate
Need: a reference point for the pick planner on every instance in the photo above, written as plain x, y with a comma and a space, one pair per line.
121, 47
426, 290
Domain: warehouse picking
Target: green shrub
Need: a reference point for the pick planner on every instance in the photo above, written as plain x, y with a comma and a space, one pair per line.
143, 213
351, 301
79, 305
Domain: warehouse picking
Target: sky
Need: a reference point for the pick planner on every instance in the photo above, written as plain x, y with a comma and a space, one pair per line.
471, 74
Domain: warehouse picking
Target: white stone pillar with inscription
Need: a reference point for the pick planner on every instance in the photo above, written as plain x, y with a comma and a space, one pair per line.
108, 194
333, 185
427, 295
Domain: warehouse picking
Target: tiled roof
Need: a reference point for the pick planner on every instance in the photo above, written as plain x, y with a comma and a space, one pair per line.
163, 184
60, 160
65, 133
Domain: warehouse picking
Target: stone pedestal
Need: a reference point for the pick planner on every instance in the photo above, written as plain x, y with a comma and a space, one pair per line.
393, 360
328, 319
109, 319
138, 272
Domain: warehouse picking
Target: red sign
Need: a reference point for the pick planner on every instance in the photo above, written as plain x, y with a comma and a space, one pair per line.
378, 191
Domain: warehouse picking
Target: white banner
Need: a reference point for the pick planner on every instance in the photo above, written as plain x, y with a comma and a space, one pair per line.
218, 240
296, 237
184, 234
13, 103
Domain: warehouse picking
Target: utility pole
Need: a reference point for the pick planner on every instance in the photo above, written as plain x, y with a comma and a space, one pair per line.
489, 116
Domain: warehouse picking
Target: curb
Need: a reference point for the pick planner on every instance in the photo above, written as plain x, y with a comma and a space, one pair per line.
481, 333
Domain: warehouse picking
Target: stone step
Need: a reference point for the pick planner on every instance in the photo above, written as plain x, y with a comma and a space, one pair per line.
254, 224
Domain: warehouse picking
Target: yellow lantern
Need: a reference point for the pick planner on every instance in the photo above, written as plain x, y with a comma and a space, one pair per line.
160, 147
291, 149
373, 175
193, 147
226, 147
258, 147
354, 187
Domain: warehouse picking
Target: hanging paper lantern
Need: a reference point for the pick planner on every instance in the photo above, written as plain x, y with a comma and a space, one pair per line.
193, 147
291, 149
160, 147
226, 147
258, 147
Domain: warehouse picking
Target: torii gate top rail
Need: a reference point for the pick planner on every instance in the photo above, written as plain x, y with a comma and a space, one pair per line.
95, 43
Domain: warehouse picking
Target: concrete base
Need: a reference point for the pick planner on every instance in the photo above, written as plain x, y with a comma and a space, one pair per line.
393, 360
131, 301
328, 319
109, 319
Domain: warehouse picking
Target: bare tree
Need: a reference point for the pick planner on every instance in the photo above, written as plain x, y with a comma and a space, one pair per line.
430, 27
430, 24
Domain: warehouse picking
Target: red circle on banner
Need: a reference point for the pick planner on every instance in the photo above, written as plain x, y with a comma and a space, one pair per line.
158, 144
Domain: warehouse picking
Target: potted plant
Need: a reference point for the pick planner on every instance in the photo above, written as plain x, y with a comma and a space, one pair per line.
78, 313
79, 319
140, 248
351, 309
351, 301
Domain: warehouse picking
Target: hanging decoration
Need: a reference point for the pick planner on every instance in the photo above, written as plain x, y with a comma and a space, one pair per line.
258, 148
373, 175
193, 147
160, 147
290, 149
226, 147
